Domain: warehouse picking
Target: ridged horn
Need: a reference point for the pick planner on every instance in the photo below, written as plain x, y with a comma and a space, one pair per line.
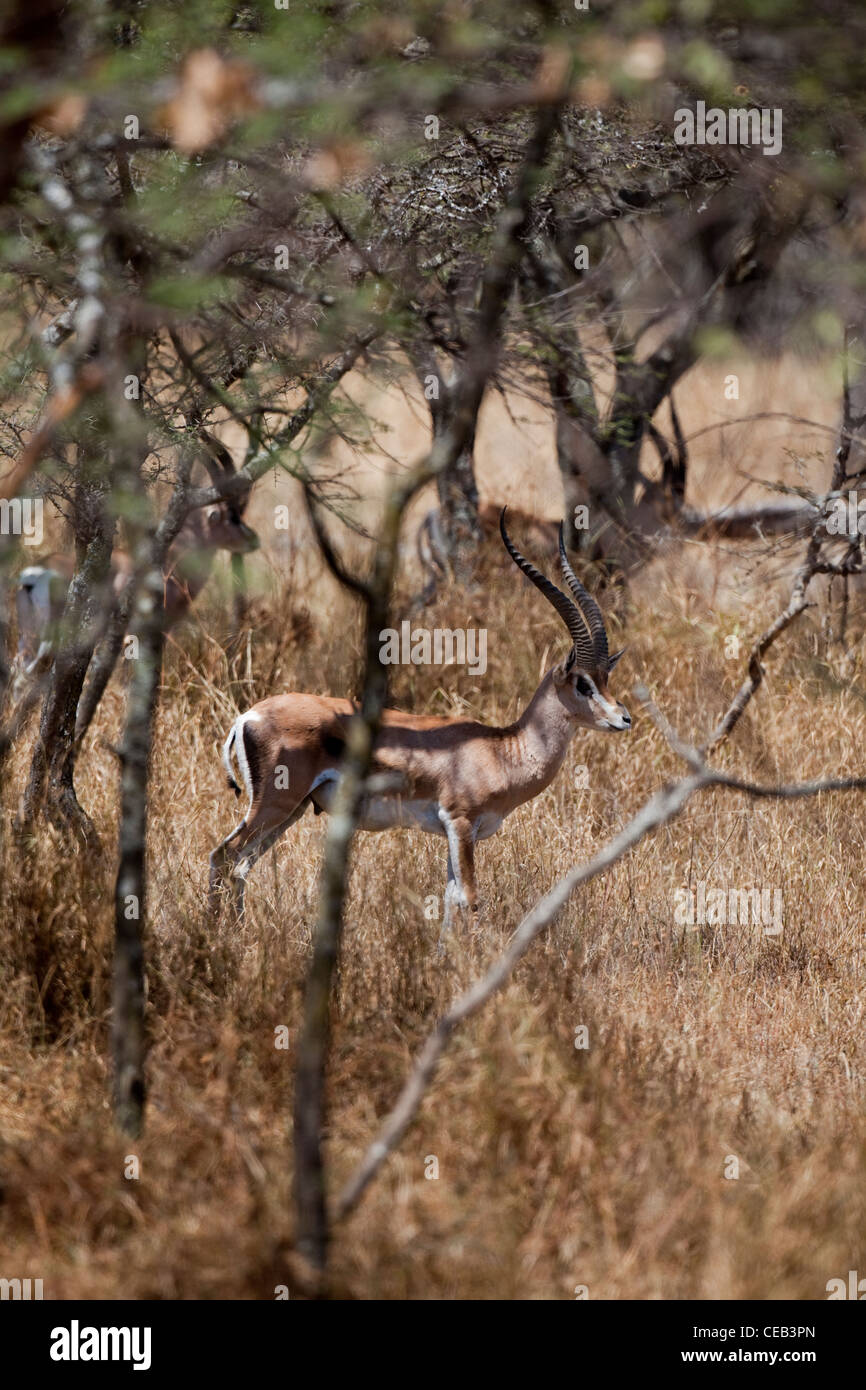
588, 607
578, 627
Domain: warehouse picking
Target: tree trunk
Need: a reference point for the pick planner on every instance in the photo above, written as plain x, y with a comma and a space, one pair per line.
455, 537
51, 780
458, 506
128, 1039
103, 664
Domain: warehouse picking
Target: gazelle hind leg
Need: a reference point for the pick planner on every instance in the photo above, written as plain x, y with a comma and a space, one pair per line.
219, 860
236, 855
255, 851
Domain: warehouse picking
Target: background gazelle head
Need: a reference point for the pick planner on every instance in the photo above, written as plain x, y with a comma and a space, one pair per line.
222, 526
581, 679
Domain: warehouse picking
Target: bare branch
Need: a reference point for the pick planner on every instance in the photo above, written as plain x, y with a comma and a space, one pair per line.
662, 807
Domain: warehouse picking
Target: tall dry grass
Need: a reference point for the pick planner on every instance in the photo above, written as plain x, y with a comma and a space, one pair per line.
559, 1166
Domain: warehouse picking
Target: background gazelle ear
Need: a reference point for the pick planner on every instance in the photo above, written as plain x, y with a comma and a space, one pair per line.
612, 660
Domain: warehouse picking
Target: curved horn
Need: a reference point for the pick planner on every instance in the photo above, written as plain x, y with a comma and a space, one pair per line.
590, 610
220, 465
579, 629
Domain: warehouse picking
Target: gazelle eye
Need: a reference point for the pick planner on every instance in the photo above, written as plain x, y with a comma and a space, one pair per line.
584, 688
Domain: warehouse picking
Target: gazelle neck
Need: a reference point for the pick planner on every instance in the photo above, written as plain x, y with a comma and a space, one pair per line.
538, 741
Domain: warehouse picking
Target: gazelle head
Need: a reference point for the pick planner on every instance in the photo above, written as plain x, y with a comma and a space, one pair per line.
225, 529
581, 679
223, 523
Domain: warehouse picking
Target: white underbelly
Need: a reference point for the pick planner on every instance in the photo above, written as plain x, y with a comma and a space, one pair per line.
395, 812
382, 812
399, 812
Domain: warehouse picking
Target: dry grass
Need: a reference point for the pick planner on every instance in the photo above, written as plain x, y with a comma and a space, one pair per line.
558, 1166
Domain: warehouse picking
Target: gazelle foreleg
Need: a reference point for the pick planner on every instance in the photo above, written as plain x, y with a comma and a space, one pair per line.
460, 888
452, 900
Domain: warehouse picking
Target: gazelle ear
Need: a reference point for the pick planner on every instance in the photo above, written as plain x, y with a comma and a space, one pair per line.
612, 660
562, 672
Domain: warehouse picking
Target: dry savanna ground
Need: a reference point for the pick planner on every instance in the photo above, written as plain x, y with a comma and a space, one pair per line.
608, 1166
